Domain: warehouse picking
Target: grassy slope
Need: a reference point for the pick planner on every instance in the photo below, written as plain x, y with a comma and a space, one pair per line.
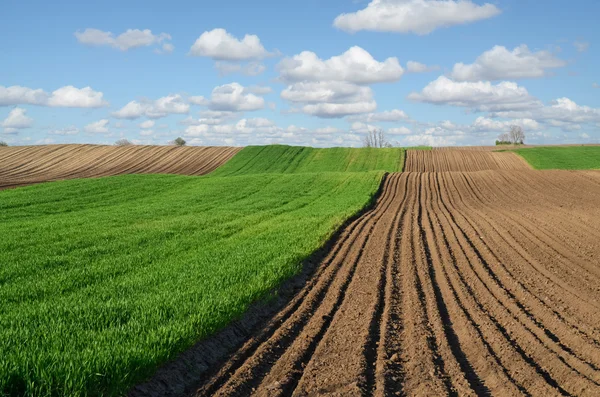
102, 280
299, 159
563, 158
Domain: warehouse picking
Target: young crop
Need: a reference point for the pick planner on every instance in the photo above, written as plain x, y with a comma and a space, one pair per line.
562, 158
102, 280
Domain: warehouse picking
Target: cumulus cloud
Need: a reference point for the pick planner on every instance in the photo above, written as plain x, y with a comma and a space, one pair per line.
259, 89
162, 107
220, 45
490, 125
147, 124
72, 130
131, 38
399, 131
418, 67
234, 97
97, 127
354, 66
481, 95
414, 16
248, 69
563, 113
67, 96
595, 85
198, 100
16, 120
581, 46
386, 116
499, 63
330, 98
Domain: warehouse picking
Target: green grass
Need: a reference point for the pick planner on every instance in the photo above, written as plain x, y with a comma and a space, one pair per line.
418, 148
299, 159
562, 158
102, 280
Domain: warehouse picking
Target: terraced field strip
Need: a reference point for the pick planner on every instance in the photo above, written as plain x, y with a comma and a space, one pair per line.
458, 283
462, 160
24, 165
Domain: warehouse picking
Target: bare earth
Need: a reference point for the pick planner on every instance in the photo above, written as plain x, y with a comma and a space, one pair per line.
483, 280
25, 165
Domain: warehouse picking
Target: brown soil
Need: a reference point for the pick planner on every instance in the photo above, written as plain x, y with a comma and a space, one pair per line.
462, 160
25, 165
455, 283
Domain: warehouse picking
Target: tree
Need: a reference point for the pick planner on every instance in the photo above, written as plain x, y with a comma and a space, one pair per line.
516, 135
123, 142
179, 142
376, 138
2, 143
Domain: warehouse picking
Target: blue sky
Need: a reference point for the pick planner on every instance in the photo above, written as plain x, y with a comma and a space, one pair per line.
319, 73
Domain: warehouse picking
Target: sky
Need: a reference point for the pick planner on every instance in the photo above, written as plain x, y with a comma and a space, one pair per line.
316, 72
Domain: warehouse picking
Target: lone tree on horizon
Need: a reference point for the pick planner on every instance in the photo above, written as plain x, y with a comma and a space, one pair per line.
123, 142
179, 142
516, 136
377, 139
2, 143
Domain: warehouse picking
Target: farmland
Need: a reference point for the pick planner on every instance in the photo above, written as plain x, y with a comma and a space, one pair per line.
104, 279
471, 274
562, 158
297, 159
26, 165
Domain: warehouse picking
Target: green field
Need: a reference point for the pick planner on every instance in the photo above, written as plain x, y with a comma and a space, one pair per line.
562, 158
299, 159
102, 280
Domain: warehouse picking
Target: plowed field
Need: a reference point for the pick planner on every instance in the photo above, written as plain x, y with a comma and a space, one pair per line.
24, 165
455, 283
462, 160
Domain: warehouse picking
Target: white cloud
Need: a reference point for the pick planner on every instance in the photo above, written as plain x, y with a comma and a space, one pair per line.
218, 44
162, 107
355, 66
132, 38
330, 98
198, 100
386, 116
147, 124
418, 67
16, 120
244, 126
428, 140
146, 132
233, 97
327, 130
482, 124
97, 127
72, 130
259, 89
67, 96
72, 97
595, 85
416, 16
248, 69
581, 46
499, 63
481, 96
399, 131
168, 47
361, 128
